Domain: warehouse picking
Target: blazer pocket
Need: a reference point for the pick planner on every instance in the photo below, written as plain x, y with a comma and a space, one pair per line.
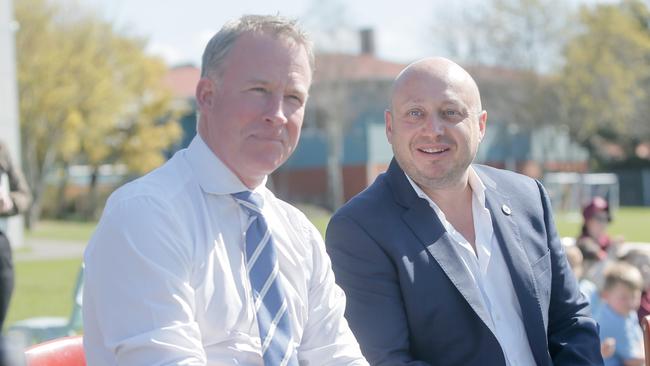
542, 265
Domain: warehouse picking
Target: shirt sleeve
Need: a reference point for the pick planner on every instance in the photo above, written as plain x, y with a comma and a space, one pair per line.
629, 342
138, 302
327, 338
18, 189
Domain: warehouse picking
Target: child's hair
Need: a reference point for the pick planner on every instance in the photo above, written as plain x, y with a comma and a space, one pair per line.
641, 260
574, 256
622, 273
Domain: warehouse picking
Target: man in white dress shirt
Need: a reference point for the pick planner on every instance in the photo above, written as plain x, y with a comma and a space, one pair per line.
169, 276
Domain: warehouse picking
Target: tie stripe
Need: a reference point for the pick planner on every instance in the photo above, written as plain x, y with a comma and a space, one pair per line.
263, 270
250, 262
265, 288
273, 326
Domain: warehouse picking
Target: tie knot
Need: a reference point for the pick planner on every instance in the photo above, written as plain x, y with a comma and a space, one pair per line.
249, 200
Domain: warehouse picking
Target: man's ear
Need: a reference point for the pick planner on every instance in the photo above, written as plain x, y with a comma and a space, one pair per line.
388, 118
205, 91
482, 122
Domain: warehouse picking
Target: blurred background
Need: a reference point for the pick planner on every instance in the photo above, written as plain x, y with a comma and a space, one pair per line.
94, 93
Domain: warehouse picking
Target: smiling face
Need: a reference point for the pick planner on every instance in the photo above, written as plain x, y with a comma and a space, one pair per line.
435, 123
252, 112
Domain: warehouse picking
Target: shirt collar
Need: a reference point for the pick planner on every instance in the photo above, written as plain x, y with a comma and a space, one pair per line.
211, 173
475, 183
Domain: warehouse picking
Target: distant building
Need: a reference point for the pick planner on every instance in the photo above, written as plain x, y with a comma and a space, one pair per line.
182, 81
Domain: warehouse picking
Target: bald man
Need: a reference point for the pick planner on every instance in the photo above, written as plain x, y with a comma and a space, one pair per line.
445, 262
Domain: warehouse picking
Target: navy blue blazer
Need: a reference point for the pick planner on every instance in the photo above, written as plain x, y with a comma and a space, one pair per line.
410, 301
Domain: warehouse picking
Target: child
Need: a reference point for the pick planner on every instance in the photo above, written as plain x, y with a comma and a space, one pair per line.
641, 260
596, 245
617, 317
588, 288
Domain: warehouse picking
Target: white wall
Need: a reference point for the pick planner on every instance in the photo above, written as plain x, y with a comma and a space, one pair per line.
9, 127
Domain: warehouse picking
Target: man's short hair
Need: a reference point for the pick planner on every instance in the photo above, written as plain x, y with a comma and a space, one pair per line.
623, 273
218, 47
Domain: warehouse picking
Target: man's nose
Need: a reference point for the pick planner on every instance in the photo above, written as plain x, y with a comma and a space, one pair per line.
434, 124
275, 110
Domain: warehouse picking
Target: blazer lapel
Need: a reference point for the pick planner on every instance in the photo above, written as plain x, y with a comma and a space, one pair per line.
521, 272
426, 226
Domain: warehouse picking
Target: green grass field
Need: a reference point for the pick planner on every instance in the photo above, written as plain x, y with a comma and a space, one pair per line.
44, 288
633, 223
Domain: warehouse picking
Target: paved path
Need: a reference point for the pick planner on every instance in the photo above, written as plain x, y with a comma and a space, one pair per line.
46, 249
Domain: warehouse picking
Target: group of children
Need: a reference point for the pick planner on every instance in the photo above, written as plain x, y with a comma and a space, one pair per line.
617, 286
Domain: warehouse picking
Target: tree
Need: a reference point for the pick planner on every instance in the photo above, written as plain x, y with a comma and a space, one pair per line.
606, 79
82, 88
332, 31
525, 35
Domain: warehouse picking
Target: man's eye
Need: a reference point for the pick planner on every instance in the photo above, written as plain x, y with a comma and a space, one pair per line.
452, 115
295, 98
414, 113
258, 89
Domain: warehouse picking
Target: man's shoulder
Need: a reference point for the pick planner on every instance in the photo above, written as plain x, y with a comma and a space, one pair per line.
161, 185
506, 181
376, 198
501, 175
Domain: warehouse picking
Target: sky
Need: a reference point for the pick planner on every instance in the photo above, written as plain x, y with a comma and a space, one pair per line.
177, 30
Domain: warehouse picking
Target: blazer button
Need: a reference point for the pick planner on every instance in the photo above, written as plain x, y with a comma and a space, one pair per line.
506, 210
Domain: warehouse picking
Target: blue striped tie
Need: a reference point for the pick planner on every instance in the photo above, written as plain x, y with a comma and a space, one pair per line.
270, 304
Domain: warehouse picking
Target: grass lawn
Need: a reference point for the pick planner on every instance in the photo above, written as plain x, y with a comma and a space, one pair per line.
43, 288
633, 223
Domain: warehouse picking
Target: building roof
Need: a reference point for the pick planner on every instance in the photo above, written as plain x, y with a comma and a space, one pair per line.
182, 81
354, 67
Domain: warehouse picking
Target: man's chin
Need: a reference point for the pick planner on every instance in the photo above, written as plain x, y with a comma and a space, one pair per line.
267, 164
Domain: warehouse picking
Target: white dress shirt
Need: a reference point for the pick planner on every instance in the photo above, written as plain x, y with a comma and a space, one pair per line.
489, 271
166, 281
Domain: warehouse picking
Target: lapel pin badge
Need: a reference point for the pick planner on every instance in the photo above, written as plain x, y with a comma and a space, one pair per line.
506, 210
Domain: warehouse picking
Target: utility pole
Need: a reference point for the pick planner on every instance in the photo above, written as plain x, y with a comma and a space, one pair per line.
9, 126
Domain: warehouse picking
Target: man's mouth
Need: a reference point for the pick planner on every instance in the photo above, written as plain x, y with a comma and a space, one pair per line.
430, 150
269, 138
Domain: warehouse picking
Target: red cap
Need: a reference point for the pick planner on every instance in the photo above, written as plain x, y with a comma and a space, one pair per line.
598, 208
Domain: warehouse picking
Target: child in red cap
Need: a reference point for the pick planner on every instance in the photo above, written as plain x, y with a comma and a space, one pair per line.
594, 241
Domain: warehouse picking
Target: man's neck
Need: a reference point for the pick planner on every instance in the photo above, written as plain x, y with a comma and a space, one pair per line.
453, 198
456, 204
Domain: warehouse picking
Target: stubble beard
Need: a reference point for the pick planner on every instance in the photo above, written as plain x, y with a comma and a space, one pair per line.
455, 175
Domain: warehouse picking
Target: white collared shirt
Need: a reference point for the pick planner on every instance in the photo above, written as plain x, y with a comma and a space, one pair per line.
166, 283
489, 271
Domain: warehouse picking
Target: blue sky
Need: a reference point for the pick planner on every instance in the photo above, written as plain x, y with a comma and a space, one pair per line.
178, 30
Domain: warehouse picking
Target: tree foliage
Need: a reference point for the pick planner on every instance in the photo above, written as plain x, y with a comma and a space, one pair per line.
522, 35
607, 73
587, 68
87, 94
